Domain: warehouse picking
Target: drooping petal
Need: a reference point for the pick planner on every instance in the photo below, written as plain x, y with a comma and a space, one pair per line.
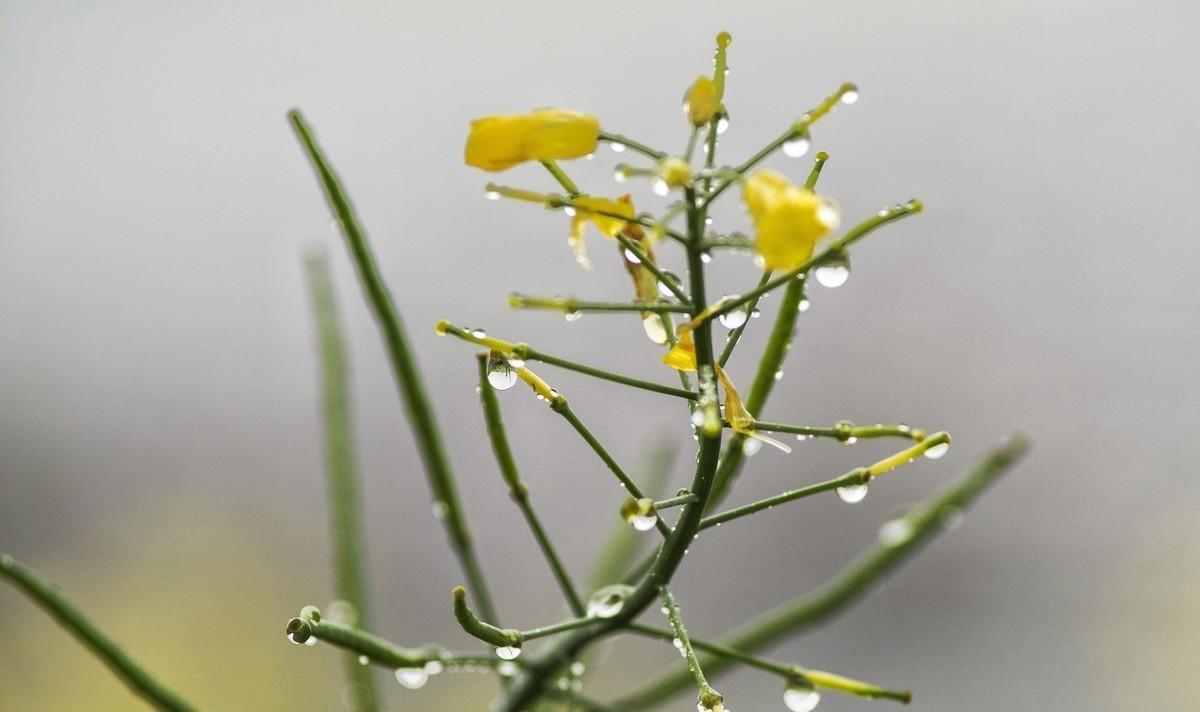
588, 208
738, 416
682, 356
788, 220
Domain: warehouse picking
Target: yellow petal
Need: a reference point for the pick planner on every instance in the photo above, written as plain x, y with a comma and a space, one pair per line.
496, 143
592, 207
702, 102
575, 239
682, 356
675, 172
738, 416
788, 220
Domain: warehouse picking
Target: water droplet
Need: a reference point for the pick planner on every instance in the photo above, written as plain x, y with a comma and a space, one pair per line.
850, 96
779, 375
577, 668
412, 678
572, 314
516, 362
735, 318
478, 333
364, 660
796, 147
801, 699
678, 644
663, 289
852, 494
492, 195
640, 513
506, 669
608, 601
950, 517
895, 532
508, 652
828, 215
660, 187
850, 440
440, 509
616, 146
500, 372
570, 212
706, 257
834, 271
697, 418
631, 257
620, 175
751, 446
937, 451
804, 305
655, 330
433, 667
722, 123
802, 437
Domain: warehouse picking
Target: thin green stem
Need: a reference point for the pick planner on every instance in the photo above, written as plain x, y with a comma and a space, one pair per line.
735, 335
904, 536
844, 431
52, 600
341, 470
473, 625
691, 144
556, 628
631, 144
517, 489
564, 409
797, 129
709, 698
404, 365
677, 501
525, 352
375, 649
856, 476
571, 305
663, 279
562, 178
815, 173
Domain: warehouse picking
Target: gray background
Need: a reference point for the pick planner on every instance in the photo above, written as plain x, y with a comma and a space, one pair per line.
159, 441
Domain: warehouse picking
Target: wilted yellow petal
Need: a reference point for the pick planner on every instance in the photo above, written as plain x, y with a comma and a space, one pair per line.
682, 356
578, 228
702, 102
589, 208
788, 220
496, 143
675, 172
738, 416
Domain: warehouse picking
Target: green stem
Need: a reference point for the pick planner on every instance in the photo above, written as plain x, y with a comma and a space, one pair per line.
709, 699
377, 650
856, 476
556, 628
570, 305
920, 524
691, 144
564, 409
649, 264
341, 470
531, 354
562, 178
631, 144
677, 501
517, 489
735, 335
404, 365
843, 431
52, 600
474, 626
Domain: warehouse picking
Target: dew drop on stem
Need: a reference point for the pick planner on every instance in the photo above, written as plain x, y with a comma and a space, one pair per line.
412, 678
834, 271
798, 698
852, 494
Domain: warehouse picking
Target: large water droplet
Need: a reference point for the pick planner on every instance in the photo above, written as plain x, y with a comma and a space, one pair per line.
734, 318
834, 271
852, 494
508, 652
500, 372
850, 96
801, 699
663, 289
937, 451
895, 532
640, 513
660, 187
652, 324
796, 147
722, 123
572, 314
412, 678
608, 601
616, 146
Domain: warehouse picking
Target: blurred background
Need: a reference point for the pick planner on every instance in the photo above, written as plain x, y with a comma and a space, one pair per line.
160, 451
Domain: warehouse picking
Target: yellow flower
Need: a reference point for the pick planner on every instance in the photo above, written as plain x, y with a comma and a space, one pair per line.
589, 208
670, 173
701, 102
788, 220
682, 356
739, 417
500, 142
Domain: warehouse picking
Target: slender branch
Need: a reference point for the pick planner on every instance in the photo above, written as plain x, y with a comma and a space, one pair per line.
564, 409
708, 699
735, 335
800, 128
790, 673
844, 431
52, 600
631, 144
562, 178
404, 365
375, 649
856, 476
676, 501
474, 626
341, 470
664, 279
556, 628
525, 352
918, 526
517, 489
571, 305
